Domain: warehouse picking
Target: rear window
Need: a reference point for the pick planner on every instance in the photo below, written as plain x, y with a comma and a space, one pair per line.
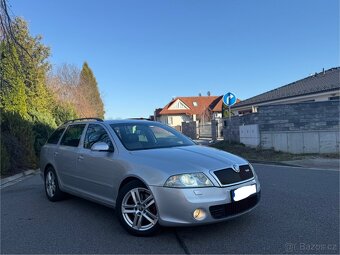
55, 137
72, 135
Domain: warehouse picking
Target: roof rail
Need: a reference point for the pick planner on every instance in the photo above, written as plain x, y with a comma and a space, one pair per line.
70, 121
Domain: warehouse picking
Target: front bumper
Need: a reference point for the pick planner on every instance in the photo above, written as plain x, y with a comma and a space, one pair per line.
176, 206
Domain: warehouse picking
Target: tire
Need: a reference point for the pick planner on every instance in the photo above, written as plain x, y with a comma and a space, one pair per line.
52, 189
136, 209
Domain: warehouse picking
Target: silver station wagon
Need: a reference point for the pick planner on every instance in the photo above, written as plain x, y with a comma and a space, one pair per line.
151, 174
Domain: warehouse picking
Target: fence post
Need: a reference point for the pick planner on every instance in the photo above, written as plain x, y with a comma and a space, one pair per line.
213, 130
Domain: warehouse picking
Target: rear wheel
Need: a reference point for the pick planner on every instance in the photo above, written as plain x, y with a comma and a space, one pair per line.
136, 209
52, 189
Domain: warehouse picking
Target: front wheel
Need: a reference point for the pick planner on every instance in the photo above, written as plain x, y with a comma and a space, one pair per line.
136, 209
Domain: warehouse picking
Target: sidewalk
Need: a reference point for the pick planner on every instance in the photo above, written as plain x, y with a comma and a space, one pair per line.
206, 141
7, 181
321, 163
203, 141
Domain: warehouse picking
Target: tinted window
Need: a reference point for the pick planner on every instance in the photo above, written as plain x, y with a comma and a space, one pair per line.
72, 135
142, 136
54, 138
96, 133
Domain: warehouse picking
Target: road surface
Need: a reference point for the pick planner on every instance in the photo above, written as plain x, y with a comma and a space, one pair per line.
298, 213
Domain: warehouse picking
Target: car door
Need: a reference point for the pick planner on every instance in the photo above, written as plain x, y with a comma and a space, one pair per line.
50, 150
96, 169
67, 154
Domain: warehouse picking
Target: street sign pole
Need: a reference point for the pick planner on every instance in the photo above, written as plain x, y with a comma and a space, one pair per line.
229, 99
229, 113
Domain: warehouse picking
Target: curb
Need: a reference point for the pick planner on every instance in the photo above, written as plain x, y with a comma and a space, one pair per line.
17, 176
278, 163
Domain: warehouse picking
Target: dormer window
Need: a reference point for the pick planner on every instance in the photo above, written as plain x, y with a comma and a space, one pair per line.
195, 104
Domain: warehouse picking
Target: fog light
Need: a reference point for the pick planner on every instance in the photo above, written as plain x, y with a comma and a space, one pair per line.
199, 214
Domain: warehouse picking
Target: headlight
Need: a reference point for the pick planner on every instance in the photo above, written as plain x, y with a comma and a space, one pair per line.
188, 180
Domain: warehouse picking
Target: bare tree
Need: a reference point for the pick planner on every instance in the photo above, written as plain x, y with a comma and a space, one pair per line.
67, 88
6, 29
63, 82
205, 116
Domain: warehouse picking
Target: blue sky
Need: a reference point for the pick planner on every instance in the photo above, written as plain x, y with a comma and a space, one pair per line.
144, 52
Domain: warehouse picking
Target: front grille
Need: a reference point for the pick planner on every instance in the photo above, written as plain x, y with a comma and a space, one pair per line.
226, 210
229, 176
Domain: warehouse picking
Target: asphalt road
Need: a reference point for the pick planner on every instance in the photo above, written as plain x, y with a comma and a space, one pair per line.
298, 213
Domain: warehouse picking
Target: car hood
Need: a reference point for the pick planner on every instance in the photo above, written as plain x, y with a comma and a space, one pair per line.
184, 159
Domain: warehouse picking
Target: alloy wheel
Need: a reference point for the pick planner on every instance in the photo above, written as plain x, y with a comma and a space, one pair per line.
139, 209
50, 184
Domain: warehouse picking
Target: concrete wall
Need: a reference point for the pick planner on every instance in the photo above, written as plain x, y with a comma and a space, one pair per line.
231, 130
250, 135
297, 128
302, 141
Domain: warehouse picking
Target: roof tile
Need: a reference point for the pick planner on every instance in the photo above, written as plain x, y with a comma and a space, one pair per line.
203, 103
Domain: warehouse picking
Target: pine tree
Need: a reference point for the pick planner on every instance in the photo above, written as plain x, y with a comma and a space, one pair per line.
89, 87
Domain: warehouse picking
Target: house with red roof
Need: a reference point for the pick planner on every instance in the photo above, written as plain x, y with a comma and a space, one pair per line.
183, 109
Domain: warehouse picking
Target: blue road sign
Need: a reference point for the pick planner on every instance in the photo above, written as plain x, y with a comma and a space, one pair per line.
229, 99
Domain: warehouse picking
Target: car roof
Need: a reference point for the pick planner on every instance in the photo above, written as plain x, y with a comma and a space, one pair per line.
128, 121
123, 121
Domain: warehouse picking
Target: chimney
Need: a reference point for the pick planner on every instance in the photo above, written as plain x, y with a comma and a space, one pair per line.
208, 93
323, 71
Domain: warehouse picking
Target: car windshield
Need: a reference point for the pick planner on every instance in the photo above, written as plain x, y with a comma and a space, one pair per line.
142, 136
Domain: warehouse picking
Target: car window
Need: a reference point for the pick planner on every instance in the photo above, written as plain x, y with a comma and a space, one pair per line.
55, 137
72, 135
144, 136
96, 133
161, 133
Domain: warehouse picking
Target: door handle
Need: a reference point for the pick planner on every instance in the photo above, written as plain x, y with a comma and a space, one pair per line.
81, 157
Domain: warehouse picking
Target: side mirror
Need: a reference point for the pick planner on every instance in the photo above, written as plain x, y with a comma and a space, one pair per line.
100, 146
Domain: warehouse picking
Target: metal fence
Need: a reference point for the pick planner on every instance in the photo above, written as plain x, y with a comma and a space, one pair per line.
204, 130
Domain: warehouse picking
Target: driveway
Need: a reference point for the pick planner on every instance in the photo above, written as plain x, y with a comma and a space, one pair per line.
298, 213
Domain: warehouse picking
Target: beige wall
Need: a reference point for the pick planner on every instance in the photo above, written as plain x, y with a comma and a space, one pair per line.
174, 120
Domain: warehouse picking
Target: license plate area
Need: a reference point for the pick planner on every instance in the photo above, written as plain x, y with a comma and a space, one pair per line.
242, 192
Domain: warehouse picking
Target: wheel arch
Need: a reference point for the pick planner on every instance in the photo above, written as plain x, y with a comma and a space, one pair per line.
128, 179
47, 166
